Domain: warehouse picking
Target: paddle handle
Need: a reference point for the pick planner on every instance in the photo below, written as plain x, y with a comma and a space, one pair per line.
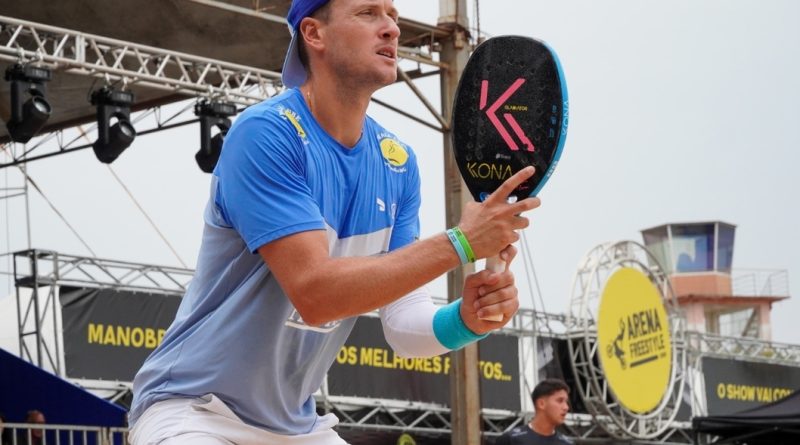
495, 264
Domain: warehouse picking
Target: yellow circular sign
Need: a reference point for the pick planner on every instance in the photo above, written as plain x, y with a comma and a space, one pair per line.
394, 152
406, 439
634, 340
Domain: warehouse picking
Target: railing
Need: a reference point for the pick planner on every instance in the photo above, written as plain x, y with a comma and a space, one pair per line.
32, 433
743, 348
760, 282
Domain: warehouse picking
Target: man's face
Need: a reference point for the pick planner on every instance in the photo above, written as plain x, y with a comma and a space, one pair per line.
361, 38
554, 407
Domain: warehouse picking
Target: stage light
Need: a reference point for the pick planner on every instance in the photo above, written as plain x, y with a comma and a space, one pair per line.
212, 114
112, 140
27, 116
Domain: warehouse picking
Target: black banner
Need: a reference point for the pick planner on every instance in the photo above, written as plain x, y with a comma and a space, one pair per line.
553, 359
736, 385
367, 367
109, 333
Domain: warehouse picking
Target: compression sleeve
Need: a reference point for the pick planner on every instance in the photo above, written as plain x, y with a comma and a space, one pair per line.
408, 325
415, 327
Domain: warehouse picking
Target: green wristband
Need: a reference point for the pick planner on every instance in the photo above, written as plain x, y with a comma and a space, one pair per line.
464, 244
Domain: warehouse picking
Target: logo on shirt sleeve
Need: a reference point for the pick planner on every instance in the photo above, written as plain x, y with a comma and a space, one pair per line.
294, 119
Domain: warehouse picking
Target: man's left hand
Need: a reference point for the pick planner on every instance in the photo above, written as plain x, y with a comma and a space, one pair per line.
490, 293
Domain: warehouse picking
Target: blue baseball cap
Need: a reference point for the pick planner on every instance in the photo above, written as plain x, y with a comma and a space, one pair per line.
294, 74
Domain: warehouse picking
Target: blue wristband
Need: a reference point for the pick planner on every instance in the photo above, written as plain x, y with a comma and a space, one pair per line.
449, 328
462, 256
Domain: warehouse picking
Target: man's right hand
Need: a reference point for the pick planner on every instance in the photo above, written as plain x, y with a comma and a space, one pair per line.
491, 225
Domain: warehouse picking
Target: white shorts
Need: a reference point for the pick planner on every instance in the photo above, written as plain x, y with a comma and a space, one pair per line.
208, 421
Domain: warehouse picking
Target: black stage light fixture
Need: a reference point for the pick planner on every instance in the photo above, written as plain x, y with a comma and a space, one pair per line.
29, 108
112, 140
212, 114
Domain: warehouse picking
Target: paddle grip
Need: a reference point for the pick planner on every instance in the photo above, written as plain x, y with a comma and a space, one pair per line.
494, 264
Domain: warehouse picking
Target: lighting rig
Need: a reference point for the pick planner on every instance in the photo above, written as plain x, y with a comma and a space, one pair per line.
112, 106
212, 115
29, 108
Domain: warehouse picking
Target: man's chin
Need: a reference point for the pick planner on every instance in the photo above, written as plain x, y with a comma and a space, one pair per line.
386, 81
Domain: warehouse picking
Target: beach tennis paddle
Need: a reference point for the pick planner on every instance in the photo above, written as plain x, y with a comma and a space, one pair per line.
511, 111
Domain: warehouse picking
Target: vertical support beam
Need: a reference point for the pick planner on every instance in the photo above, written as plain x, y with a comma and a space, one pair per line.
27, 204
37, 320
29, 312
465, 404
763, 311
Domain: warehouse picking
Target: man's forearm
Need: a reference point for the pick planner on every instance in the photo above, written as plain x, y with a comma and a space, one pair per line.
337, 288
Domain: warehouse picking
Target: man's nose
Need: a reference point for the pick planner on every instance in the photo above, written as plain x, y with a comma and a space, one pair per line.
392, 30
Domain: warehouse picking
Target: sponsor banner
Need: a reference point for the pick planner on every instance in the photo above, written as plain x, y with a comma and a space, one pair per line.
109, 333
736, 385
367, 367
635, 343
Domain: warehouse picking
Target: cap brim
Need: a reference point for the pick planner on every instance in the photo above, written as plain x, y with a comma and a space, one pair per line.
293, 74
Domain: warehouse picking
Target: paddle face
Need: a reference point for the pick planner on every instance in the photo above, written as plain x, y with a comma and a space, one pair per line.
511, 111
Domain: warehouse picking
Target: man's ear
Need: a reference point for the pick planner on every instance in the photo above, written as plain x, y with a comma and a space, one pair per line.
312, 33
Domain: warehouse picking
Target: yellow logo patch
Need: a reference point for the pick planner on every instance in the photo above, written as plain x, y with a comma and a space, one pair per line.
393, 152
634, 338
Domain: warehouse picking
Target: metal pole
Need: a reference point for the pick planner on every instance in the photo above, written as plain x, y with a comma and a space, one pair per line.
465, 416
36, 311
25, 192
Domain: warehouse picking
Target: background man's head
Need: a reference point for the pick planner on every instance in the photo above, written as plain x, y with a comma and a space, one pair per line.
551, 401
35, 416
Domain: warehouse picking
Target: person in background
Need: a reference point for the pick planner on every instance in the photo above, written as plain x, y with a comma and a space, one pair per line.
33, 436
551, 402
5, 434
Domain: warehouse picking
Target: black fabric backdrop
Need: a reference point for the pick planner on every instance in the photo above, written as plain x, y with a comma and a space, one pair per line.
368, 368
108, 333
774, 423
736, 385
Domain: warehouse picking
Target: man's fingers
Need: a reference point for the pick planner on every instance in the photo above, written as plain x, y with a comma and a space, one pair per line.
506, 188
520, 207
492, 290
508, 254
506, 307
480, 279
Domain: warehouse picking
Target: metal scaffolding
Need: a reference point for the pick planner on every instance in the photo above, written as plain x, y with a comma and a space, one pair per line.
130, 63
185, 75
43, 272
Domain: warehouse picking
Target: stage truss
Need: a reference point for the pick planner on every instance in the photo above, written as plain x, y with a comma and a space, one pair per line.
130, 65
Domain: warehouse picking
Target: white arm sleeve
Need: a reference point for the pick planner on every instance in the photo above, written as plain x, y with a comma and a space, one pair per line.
408, 325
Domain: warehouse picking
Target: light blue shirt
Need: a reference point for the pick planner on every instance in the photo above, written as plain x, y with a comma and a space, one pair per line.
236, 334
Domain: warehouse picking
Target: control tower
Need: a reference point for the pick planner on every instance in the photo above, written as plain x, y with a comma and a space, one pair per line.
716, 298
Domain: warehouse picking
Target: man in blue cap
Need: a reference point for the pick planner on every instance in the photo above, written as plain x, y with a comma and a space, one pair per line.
313, 220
